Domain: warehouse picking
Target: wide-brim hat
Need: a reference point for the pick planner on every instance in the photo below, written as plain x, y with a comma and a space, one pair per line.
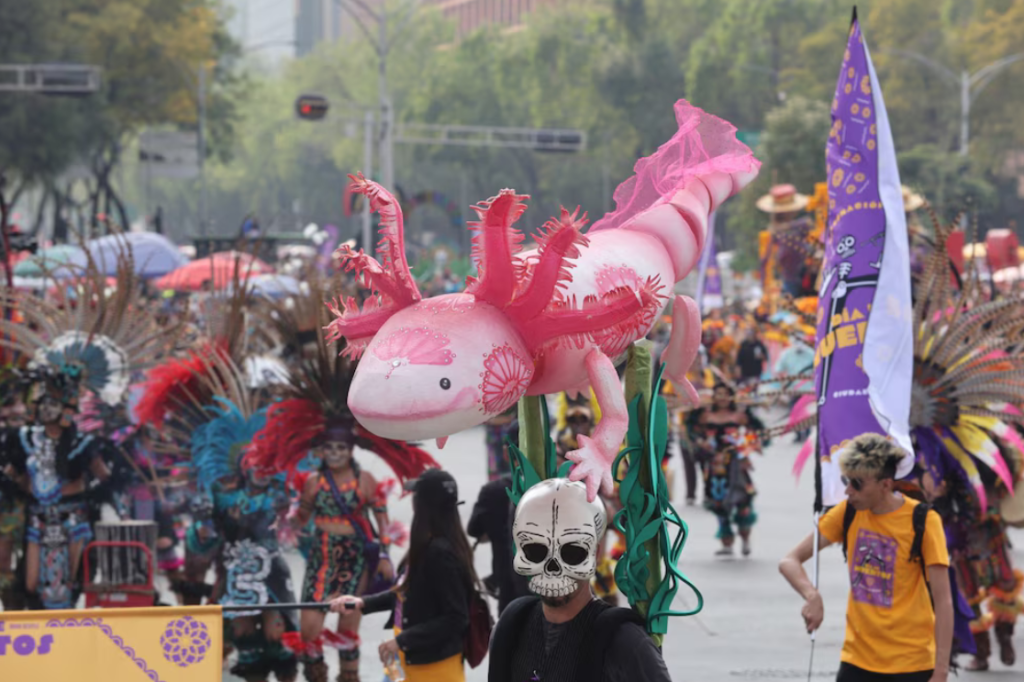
782, 199
911, 200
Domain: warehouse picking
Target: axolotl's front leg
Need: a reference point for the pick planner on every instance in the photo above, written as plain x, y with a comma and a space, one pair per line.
597, 453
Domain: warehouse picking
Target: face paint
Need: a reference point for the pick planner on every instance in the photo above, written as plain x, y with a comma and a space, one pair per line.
49, 410
336, 455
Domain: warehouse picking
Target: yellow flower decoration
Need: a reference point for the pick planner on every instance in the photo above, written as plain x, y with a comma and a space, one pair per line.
837, 177
865, 85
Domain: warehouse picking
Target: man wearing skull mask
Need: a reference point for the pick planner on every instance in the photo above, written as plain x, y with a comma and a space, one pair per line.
565, 634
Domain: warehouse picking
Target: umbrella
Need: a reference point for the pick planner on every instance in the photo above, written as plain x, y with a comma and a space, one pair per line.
275, 286
218, 269
63, 260
154, 254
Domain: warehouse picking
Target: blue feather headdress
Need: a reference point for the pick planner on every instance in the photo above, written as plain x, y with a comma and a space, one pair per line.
217, 445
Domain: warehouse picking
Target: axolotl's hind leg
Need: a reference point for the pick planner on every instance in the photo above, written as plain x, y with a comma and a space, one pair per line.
683, 345
596, 454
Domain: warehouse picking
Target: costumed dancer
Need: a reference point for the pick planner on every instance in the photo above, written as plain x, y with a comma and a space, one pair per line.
86, 345
496, 429
12, 503
173, 404
797, 360
54, 464
795, 258
963, 416
241, 536
726, 435
348, 555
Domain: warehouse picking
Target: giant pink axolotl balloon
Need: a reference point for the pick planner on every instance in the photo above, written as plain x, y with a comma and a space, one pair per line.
548, 320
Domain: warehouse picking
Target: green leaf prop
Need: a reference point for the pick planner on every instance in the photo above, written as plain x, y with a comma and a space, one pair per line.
655, 533
535, 433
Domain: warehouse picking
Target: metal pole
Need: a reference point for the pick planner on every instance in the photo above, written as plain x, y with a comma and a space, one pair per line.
965, 111
202, 150
817, 566
368, 171
387, 171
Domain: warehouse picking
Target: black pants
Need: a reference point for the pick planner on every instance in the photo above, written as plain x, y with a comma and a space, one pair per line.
689, 468
851, 673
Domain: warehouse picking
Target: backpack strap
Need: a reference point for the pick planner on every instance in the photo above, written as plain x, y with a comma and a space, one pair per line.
600, 641
920, 520
505, 636
848, 515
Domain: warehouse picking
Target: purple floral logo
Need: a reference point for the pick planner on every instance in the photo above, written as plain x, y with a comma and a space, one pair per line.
185, 642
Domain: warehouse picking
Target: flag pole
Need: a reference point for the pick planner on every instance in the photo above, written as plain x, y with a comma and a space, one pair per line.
816, 560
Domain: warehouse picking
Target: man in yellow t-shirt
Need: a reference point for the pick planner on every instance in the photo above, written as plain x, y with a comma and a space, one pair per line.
892, 630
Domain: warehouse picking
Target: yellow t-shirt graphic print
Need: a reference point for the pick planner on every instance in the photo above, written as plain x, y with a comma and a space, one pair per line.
890, 623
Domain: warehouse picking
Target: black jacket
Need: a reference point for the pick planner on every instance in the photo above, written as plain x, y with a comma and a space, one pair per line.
492, 516
435, 613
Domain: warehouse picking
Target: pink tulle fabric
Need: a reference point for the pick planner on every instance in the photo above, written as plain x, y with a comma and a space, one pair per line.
703, 144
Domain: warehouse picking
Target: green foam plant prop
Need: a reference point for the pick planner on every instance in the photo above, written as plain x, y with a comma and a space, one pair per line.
655, 533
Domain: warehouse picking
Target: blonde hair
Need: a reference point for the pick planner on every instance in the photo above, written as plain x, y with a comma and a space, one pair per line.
871, 454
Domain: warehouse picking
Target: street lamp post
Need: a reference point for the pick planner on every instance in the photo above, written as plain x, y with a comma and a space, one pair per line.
201, 141
970, 85
382, 46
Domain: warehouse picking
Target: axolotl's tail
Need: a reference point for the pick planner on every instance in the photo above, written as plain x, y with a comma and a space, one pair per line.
675, 190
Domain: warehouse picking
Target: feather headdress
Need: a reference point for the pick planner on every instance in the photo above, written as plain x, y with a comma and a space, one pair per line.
101, 337
233, 420
316, 399
966, 384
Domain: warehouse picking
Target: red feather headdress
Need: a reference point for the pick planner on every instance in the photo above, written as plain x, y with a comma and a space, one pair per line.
317, 401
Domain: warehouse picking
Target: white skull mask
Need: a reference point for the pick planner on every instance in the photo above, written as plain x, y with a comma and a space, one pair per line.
556, 532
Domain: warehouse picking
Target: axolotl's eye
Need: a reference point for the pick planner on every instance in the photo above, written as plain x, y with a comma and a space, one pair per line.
446, 383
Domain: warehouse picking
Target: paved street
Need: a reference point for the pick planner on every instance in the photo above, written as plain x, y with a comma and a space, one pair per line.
750, 627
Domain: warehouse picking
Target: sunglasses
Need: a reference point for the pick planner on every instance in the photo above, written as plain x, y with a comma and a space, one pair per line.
855, 483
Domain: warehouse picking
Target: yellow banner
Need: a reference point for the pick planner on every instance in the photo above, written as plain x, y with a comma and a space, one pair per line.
112, 645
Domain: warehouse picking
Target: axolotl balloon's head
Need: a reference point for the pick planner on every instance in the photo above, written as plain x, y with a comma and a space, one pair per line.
437, 367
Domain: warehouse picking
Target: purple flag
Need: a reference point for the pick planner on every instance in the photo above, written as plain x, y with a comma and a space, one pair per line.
709, 278
864, 355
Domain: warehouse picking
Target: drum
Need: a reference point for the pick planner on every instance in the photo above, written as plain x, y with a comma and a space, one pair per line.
124, 565
1011, 508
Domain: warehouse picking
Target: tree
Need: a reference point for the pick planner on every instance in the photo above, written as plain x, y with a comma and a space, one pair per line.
792, 151
953, 182
150, 52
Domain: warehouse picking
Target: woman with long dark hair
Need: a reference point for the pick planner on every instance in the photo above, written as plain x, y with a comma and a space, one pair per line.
430, 605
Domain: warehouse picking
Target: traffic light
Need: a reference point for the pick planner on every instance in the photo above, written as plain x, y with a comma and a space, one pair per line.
311, 107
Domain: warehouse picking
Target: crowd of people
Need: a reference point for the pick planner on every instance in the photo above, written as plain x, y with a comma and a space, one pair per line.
216, 429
